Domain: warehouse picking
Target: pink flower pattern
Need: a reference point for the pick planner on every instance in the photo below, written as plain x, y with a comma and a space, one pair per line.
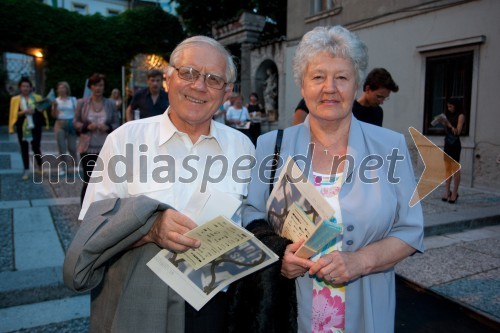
328, 307
327, 311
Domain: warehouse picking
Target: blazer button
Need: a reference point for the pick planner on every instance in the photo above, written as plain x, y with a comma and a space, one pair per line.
350, 228
349, 242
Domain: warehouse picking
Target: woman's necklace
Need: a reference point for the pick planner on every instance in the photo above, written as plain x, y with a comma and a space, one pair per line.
325, 148
94, 107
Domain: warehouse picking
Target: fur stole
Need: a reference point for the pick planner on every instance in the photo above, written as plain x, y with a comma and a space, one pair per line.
264, 301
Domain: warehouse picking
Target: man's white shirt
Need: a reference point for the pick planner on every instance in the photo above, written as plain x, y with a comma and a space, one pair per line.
152, 157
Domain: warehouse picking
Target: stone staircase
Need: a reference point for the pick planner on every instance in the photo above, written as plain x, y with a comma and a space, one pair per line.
38, 219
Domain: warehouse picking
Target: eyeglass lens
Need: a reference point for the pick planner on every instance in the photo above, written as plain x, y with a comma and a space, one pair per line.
191, 75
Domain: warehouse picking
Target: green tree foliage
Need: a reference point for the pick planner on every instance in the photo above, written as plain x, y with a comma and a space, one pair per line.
198, 16
76, 46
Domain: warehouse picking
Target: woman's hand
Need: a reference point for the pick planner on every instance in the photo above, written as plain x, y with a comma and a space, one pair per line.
338, 267
293, 266
55, 110
27, 111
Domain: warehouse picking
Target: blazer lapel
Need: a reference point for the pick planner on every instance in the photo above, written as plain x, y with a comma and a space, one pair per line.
356, 149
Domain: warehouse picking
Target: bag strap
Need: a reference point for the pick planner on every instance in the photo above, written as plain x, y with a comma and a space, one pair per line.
277, 150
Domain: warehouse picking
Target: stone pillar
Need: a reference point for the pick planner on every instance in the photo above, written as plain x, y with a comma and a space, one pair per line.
246, 75
40, 76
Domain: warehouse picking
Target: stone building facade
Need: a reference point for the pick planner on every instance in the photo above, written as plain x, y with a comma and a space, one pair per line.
433, 49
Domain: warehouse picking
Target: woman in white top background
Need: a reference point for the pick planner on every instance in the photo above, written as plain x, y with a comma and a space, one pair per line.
237, 114
117, 98
63, 111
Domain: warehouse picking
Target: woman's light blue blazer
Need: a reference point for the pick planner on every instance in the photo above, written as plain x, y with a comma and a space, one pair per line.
374, 205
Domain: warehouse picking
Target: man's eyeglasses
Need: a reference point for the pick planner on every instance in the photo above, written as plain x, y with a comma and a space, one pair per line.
382, 98
190, 74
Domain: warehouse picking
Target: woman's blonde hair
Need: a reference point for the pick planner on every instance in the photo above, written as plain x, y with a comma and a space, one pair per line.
65, 85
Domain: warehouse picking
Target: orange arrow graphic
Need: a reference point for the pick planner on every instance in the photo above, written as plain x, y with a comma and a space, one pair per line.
438, 166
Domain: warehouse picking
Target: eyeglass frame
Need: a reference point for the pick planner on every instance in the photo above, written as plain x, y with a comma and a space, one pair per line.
195, 76
382, 98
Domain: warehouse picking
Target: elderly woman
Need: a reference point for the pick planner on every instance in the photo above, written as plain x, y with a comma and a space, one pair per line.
350, 285
95, 117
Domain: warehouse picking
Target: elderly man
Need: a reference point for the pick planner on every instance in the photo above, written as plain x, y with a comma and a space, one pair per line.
146, 173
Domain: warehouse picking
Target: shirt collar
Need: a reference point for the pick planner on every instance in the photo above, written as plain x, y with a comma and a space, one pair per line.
168, 130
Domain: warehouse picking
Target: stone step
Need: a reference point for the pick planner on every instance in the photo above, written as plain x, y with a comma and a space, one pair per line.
50, 313
32, 286
438, 224
36, 243
79, 325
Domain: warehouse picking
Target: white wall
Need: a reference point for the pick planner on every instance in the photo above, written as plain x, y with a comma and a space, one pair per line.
394, 46
93, 6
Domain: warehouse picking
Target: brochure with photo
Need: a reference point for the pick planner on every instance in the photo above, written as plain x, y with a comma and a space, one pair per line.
197, 277
227, 253
296, 210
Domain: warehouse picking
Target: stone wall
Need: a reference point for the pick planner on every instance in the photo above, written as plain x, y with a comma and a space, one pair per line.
487, 165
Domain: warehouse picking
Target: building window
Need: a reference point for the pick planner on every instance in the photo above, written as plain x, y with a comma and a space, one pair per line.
80, 8
113, 12
447, 76
320, 6
321, 9
18, 65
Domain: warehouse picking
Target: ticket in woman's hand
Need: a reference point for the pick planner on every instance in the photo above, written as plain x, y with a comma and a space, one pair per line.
325, 232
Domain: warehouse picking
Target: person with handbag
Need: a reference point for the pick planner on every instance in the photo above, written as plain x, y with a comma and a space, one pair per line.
349, 286
28, 122
453, 146
63, 111
95, 117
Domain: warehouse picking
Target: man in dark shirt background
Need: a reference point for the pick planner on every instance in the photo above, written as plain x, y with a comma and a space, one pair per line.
150, 101
376, 89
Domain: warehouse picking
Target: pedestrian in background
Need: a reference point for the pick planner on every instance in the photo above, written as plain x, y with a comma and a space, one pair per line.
376, 89
301, 112
63, 111
256, 111
117, 99
237, 114
95, 118
150, 101
28, 123
453, 146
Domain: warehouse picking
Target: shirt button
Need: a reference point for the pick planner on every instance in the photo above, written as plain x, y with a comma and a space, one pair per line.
350, 228
349, 242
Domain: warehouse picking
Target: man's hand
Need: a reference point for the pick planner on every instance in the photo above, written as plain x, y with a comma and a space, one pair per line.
168, 232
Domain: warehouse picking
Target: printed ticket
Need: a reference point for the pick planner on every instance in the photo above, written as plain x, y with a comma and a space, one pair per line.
297, 225
217, 237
